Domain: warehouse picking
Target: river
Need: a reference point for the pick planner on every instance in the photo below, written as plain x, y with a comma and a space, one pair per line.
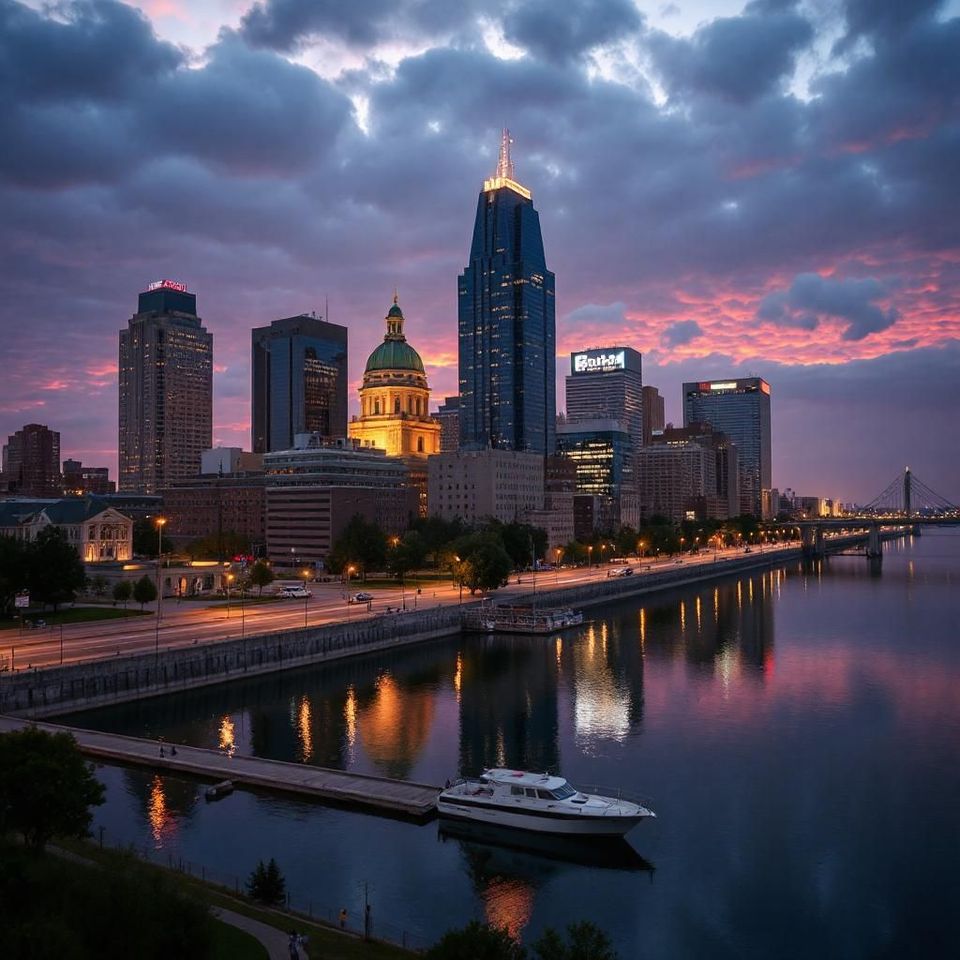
796, 732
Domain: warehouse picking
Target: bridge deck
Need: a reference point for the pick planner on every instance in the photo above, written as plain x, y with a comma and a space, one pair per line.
378, 793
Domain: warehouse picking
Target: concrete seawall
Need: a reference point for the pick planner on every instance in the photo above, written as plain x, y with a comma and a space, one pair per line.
53, 690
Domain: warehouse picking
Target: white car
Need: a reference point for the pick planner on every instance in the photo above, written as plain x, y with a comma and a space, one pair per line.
620, 572
361, 598
297, 592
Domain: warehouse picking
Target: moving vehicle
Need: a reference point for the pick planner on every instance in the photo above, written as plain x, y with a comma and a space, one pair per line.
620, 572
361, 597
295, 592
540, 802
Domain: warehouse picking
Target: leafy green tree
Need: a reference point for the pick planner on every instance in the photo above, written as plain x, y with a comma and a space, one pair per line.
410, 553
477, 941
56, 571
266, 884
145, 539
522, 542
221, 546
98, 585
261, 576
46, 787
122, 591
361, 543
574, 552
584, 941
14, 572
438, 534
144, 591
483, 564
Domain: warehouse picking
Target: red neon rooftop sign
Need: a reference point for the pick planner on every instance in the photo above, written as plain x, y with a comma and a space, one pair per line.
167, 285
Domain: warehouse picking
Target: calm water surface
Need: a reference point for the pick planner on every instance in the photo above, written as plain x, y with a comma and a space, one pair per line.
796, 732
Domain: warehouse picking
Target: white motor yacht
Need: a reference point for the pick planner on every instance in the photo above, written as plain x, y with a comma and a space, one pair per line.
538, 801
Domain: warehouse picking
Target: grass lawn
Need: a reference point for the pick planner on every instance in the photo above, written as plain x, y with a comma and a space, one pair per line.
324, 941
233, 944
77, 615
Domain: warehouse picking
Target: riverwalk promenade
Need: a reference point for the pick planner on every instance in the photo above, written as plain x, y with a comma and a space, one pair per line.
377, 793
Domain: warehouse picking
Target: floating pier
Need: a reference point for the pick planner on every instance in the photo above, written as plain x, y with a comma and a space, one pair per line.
356, 789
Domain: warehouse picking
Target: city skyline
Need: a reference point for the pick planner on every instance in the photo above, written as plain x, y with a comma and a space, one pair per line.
791, 216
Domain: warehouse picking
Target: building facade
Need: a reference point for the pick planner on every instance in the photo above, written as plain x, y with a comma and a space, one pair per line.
31, 462
78, 480
504, 485
677, 480
313, 489
166, 390
394, 406
98, 532
217, 504
299, 381
653, 413
741, 410
607, 384
507, 323
448, 413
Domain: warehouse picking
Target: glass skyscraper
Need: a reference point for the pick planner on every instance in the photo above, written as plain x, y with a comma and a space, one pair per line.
166, 390
507, 323
741, 409
299, 385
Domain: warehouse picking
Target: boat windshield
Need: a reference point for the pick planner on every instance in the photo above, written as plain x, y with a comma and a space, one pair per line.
564, 792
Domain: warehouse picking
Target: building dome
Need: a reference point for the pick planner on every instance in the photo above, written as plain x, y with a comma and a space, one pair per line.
395, 353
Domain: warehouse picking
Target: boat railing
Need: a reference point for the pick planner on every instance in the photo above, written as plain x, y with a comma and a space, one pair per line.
615, 793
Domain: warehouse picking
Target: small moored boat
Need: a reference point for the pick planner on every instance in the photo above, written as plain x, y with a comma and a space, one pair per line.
219, 790
540, 802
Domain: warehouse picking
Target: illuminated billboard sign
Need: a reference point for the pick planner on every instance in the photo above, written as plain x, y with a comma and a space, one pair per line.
599, 361
168, 285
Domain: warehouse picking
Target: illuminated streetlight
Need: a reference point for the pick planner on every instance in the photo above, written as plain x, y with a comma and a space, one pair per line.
160, 521
305, 573
458, 561
229, 578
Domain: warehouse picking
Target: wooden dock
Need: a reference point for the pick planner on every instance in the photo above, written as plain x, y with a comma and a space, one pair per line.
374, 793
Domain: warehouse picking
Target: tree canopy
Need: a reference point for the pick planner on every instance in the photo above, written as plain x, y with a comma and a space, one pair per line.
361, 544
261, 576
144, 591
483, 563
46, 787
55, 569
145, 539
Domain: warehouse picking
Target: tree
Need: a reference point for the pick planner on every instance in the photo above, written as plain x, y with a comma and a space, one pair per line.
266, 884
144, 591
483, 563
522, 542
46, 787
477, 941
14, 571
145, 539
261, 576
55, 570
218, 546
408, 554
585, 941
122, 591
98, 585
362, 543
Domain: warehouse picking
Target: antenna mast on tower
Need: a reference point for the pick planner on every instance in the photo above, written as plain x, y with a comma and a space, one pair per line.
504, 163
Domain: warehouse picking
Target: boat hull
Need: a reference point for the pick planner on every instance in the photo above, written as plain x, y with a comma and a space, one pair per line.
559, 824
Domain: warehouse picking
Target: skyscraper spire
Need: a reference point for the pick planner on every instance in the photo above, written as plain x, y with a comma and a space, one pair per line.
504, 163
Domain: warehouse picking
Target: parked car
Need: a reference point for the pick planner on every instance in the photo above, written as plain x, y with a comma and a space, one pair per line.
297, 592
361, 597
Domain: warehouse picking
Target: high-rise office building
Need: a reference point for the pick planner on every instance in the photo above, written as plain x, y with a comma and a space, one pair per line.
31, 462
607, 384
448, 413
653, 413
78, 480
741, 409
299, 373
166, 389
507, 323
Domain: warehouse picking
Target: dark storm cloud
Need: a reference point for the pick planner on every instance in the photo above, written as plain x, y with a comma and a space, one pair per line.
885, 18
740, 58
811, 296
564, 31
681, 332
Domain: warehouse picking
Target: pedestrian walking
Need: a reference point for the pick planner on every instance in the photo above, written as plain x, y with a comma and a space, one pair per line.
292, 946
161, 750
343, 917
173, 750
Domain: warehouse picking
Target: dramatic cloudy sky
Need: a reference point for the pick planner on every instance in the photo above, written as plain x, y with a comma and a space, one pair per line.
766, 189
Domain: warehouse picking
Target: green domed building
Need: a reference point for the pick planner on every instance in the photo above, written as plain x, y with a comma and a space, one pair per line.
394, 404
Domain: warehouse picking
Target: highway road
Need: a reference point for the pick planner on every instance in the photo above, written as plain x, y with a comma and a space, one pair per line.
185, 623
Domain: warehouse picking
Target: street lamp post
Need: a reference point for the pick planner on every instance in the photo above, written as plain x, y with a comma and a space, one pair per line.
459, 578
229, 579
589, 556
305, 573
160, 521
557, 567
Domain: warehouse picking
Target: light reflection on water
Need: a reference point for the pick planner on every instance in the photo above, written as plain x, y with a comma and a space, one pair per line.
803, 809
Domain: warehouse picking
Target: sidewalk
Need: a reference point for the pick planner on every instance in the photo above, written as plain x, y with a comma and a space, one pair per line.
277, 942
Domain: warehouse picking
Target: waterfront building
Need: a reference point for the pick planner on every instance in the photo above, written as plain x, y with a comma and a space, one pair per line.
475, 485
97, 531
313, 490
166, 390
448, 413
602, 452
394, 406
507, 323
607, 384
299, 381
677, 480
653, 413
78, 480
31, 462
229, 496
740, 409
